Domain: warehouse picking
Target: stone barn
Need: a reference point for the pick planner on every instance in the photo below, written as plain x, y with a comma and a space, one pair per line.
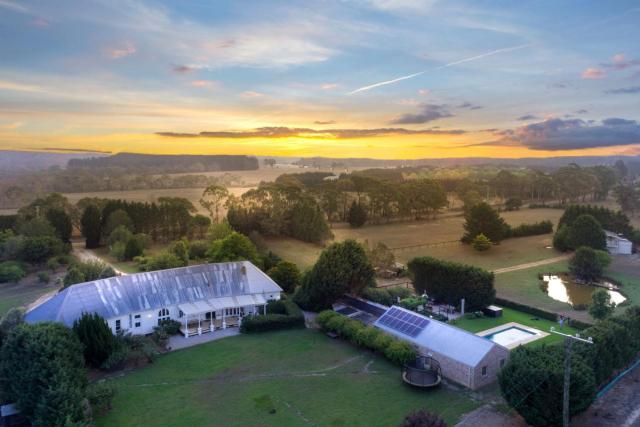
464, 358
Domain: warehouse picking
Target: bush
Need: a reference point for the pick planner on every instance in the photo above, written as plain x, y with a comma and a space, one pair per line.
385, 296
100, 395
39, 249
116, 360
198, 249
535, 229
341, 268
481, 243
96, 337
483, 219
133, 249
53, 264
450, 282
172, 327
285, 274
117, 251
513, 204
602, 307
397, 351
357, 215
11, 271
43, 277
532, 383
291, 318
561, 239
588, 264
162, 261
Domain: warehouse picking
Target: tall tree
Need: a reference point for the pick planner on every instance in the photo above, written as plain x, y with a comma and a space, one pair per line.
212, 199
91, 226
96, 337
61, 221
483, 219
586, 231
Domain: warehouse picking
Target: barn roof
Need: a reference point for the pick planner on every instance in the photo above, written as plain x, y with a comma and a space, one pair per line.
448, 340
121, 295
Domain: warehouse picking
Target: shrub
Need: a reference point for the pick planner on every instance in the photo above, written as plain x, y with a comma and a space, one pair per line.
117, 251
450, 282
198, 249
133, 249
38, 249
513, 204
100, 395
96, 337
234, 247
588, 264
172, 327
11, 271
531, 382
357, 215
43, 277
400, 352
483, 219
535, 229
162, 261
397, 351
285, 274
601, 307
481, 243
291, 318
116, 360
561, 239
53, 263
341, 268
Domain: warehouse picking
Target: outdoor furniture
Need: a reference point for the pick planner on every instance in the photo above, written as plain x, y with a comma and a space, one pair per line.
492, 311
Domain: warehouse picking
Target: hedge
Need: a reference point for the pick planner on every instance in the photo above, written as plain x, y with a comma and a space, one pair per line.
543, 314
283, 314
384, 296
394, 349
535, 229
8, 222
450, 282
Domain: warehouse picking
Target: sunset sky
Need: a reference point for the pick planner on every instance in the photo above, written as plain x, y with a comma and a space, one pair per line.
342, 78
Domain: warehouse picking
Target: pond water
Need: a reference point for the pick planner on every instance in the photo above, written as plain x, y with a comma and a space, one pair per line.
562, 289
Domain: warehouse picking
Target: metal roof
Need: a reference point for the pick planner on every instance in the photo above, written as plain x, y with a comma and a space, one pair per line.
447, 340
612, 235
121, 295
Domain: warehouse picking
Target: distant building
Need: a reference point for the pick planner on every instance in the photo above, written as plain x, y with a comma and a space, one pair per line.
202, 298
618, 245
465, 358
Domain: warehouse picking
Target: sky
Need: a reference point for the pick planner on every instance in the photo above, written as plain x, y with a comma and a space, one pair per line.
344, 78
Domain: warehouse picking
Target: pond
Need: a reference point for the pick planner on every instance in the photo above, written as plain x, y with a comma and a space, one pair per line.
562, 288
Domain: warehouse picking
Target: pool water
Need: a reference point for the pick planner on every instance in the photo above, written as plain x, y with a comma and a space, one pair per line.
510, 336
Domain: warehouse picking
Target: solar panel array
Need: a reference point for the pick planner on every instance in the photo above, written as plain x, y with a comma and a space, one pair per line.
401, 321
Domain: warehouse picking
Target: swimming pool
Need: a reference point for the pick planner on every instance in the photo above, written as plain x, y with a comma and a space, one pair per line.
512, 334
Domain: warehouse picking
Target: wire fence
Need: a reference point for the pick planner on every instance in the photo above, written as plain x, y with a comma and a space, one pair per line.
426, 245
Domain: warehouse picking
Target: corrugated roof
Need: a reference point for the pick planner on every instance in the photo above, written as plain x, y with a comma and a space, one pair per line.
446, 339
121, 295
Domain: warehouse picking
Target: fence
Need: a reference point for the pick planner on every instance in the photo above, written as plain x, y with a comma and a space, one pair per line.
426, 245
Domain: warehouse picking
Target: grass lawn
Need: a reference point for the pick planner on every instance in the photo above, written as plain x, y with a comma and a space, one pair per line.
509, 315
286, 378
443, 229
23, 293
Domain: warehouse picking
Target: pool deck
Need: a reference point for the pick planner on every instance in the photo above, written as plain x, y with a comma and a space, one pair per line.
537, 333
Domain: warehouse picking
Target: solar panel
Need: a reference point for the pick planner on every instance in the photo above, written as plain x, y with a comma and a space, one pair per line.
404, 322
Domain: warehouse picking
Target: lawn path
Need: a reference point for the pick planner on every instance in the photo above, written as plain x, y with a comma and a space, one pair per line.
88, 255
531, 264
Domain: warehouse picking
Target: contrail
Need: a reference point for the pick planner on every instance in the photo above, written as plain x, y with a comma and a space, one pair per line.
450, 64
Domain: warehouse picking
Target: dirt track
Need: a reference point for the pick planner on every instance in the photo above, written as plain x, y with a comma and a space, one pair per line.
531, 264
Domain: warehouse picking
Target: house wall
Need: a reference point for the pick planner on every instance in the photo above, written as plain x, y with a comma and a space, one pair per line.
493, 363
149, 319
452, 370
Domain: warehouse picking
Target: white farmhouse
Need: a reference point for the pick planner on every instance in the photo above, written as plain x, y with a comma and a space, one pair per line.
618, 245
202, 298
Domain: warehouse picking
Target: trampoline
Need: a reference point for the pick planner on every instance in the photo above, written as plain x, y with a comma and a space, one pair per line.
424, 372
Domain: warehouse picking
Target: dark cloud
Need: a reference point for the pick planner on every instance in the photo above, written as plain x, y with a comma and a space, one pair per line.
528, 117
582, 111
619, 62
182, 69
571, 134
286, 132
624, 90
469, 106
73, 150
428, 113
322, 122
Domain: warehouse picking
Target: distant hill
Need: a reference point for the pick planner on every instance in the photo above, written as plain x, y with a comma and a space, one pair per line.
156, 163
12, 162
542, 163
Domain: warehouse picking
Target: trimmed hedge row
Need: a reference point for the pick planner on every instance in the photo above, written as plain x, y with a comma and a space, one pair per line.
395, 350
282, 314
534, 229
388, 296
538, 312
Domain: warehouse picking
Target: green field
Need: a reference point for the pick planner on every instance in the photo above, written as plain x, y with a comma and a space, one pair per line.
22, 294
445, 229
287, 378
509, 315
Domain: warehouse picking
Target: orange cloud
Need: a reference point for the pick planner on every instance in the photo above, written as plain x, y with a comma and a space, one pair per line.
251, 94
120, 52
204, 83
592, 73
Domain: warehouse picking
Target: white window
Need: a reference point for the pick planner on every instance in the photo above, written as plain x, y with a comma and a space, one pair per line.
236, 311
137, 316
118, 326
484, 371
163, 314
137, 324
